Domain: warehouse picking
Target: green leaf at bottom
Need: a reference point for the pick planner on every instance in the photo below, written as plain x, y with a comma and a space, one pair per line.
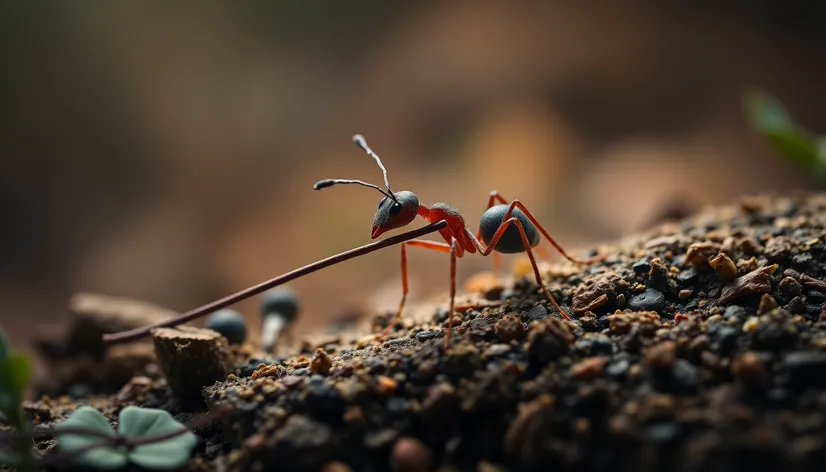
167, 454
104, 457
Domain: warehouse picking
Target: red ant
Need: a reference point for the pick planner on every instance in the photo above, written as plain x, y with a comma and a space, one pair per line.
504, 227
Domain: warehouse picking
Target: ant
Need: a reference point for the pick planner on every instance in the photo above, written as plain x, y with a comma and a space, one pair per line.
504, 227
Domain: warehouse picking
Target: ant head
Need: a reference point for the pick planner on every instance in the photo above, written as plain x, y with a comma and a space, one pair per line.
395, 210
396, 213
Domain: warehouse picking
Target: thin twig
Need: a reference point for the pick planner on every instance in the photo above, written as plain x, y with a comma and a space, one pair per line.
133, 334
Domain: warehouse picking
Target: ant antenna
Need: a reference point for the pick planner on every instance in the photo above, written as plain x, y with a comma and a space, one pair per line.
330, 182
362, 143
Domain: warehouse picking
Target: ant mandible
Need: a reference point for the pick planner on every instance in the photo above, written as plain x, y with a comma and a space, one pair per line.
504, 227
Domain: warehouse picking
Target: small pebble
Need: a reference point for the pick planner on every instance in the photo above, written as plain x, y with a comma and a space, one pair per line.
410, 455
724, 267
509, 328
649, 300
425, 335
642, 266
537, 313
321, 363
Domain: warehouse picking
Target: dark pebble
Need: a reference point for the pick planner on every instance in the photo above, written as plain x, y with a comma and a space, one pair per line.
678, 260
813, 297
663, 432
802, 261
642, 266
396, 406
686, 375
302, 371
537, 313
480, 327
381, 439
726, 338
80, 390
618, 368
441, 315
686, 278
648, 300
806, 369
734, 311
425, 335
324, 400
595, 345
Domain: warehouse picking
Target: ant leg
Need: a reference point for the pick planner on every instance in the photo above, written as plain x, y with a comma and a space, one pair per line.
521, 206
493, 198
434, 245
453, 257
495, 240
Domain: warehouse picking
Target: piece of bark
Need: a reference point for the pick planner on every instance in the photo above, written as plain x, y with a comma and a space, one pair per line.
94, 315
190, 359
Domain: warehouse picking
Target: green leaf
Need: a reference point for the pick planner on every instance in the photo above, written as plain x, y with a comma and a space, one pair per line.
105, 457
788, 139
5, 348
17, 372
168, 454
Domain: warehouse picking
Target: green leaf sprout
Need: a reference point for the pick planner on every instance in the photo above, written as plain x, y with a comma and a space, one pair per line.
146, 437
788, 139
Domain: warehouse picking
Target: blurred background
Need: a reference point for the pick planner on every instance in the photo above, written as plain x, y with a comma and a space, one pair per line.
167, 151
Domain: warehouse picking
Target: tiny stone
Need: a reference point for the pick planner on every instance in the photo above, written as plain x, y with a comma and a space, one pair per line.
321, 363
687, 277
685, 294
618, 368
537, 313
649, 300
767, 304
755, 282
724, 267
642, 266
425, 335
661, 355
806, 368
509, 328
749, 368
790, 288
548, 340
497, 350
734, 311
410, 455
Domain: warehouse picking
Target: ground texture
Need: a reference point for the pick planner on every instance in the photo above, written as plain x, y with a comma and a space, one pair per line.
700, 345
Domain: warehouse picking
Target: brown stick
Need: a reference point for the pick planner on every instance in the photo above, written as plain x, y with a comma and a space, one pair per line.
137, 333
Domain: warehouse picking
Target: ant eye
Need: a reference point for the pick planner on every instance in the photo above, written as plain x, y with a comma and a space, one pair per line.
381, 202
395, 209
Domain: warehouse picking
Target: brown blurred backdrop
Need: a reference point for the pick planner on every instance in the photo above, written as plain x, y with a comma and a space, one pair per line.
166, 151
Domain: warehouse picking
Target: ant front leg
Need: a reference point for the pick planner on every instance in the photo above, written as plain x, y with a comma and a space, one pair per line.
434, 245
495, 240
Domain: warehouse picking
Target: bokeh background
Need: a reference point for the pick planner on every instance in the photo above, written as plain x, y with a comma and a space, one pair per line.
166, 150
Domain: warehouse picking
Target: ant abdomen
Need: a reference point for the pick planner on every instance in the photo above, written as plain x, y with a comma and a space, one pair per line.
511, 241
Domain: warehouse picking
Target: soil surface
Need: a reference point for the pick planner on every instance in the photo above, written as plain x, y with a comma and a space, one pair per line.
699, 345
